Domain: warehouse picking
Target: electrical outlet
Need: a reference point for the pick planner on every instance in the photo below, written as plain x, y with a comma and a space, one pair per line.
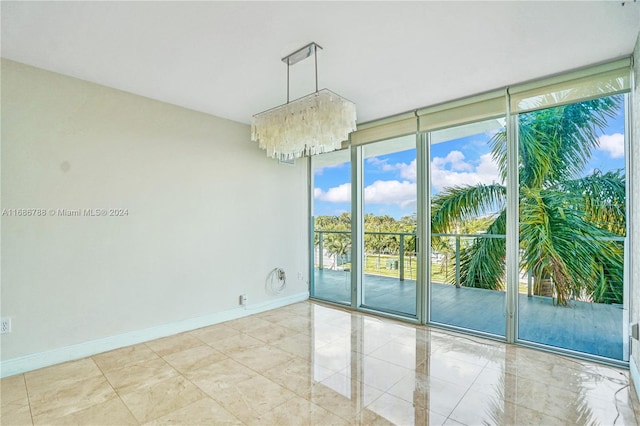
242, 299
5, 325
300, 276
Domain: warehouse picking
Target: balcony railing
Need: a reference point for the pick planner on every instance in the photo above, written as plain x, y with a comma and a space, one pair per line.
397, 248
342, 251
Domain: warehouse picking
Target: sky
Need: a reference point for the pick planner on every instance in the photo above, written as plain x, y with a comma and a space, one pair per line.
390, 180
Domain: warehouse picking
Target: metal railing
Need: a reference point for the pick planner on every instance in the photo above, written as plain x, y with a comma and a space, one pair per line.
402, 243
344, 250
458, 246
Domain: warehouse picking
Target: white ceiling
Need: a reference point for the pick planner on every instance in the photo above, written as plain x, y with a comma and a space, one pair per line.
223, 58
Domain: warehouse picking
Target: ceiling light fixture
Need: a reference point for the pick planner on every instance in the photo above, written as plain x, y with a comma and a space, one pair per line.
316, 123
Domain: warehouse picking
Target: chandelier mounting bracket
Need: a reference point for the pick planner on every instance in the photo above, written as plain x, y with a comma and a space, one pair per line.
299, 55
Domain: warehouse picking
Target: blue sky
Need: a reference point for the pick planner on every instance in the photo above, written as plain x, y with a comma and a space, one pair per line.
390, 180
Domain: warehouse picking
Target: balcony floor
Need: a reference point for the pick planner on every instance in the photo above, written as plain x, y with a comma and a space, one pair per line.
591, 328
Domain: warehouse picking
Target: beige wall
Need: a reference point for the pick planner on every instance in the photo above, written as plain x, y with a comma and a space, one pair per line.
208, 214
635, 213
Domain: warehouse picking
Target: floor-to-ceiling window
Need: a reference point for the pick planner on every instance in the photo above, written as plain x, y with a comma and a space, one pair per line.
572, 226
331, 219
389, 207
468, 227
513, 203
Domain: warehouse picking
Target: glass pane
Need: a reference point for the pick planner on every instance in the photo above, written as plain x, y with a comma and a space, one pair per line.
572, 227
468, 223
332, 226
389, 281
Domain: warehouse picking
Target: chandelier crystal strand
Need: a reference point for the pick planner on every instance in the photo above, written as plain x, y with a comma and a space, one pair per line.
311, 125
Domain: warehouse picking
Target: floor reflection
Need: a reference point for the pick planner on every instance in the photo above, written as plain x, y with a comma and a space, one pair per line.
404, 374
593, 328
308, 363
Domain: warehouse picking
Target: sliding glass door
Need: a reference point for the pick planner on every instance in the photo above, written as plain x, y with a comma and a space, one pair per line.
572, 227
502, 215
331, 221
468, 226
389, 208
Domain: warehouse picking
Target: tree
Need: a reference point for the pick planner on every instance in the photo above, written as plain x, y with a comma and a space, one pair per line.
568, 222
375, 240
408, 225
336, 238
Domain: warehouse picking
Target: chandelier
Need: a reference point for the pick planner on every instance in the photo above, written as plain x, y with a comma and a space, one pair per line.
316, 123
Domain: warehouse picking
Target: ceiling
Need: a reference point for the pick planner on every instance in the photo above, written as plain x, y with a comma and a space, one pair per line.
224, 58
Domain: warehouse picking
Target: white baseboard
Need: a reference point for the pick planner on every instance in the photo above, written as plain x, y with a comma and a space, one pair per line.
635, 375
81, 350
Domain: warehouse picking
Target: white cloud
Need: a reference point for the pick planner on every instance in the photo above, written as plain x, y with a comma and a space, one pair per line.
408, 171
612, 144
391, 192
452, 170
405, 171
337, 194
455, 160
381, 164
449, 171
487, 170
319, 171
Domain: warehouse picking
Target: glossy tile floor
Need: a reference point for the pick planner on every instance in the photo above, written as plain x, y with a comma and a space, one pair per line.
312, 364
592, 328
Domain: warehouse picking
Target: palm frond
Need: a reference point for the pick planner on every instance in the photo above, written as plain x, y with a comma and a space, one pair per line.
560, 244
556, 143
461, 203
603, 197
482, 262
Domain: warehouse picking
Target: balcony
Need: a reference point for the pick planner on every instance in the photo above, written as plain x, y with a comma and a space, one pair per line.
583, 326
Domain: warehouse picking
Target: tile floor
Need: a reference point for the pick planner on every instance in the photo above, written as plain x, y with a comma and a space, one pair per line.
312, 364
591, 328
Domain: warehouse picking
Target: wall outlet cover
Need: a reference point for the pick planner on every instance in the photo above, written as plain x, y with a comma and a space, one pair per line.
5, 325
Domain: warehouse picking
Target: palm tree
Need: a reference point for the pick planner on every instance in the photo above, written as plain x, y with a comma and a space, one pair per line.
336, 238
339, 245
568, 222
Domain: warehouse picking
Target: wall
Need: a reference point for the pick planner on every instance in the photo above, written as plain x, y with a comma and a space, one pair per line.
635, 217
208, 217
